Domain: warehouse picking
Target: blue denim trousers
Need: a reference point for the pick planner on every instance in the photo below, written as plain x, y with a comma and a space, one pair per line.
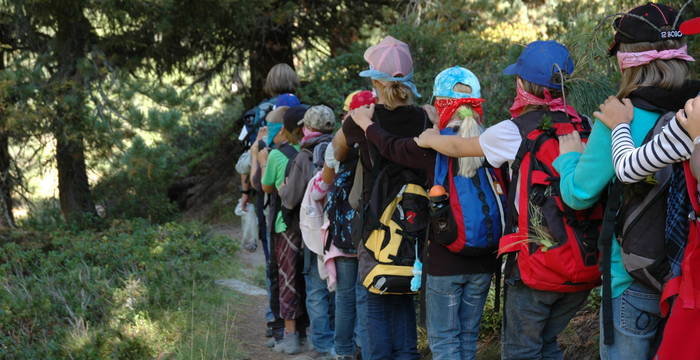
533, 319
391, 327
350, 309
319, 305
636, 318
454, 308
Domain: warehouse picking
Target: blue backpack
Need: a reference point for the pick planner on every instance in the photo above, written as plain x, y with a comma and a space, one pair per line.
473, 223
253, 120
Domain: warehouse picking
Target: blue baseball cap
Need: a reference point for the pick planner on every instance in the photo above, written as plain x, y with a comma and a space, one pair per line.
287, 100
446, 80
540, 61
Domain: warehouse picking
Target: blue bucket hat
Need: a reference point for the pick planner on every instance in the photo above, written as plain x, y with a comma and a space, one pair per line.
446, 80
540, 62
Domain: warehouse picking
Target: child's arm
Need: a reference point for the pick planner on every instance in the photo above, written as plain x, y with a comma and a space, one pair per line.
632, 165
450, 145
402, 150
673, 144
453, 146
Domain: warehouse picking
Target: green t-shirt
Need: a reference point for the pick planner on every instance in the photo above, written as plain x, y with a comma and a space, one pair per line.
274, 175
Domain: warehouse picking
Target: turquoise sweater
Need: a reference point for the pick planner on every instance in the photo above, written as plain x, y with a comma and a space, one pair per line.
585, 176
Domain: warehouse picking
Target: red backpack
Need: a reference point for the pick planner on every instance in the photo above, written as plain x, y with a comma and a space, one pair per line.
682, 324
556, 246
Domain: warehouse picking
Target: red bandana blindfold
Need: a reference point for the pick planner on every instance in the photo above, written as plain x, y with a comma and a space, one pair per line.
446, 108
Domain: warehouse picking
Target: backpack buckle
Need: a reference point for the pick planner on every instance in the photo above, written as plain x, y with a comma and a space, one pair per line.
692, 215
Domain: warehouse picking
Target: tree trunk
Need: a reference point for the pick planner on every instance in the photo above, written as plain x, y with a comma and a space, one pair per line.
274, 47
72, 40
7, 219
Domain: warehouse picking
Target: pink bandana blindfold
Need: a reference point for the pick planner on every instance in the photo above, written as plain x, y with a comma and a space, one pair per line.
631, 59
524, 98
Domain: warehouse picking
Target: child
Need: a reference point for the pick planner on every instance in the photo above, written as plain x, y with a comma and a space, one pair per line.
286, 239
457, 285
341, 255
391, 319
316, 127
653, 59
534, 316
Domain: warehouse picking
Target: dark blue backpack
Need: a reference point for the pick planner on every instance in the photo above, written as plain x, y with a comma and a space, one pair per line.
338, 209
473, 223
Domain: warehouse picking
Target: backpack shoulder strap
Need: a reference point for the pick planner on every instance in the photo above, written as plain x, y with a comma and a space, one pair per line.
290, 152
442, 163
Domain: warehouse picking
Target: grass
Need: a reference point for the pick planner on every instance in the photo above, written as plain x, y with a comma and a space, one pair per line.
132, 291
208, 326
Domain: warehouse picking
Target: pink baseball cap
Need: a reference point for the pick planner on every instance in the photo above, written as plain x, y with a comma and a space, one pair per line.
390, 56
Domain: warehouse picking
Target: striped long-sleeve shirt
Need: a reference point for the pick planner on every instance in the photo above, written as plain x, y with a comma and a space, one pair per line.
671, 145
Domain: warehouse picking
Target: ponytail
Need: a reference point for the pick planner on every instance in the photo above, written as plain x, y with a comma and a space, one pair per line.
394, 93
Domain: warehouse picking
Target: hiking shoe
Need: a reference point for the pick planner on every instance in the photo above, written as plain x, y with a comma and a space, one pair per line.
289, 345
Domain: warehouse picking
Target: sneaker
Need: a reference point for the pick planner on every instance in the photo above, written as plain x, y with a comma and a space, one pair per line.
289, 345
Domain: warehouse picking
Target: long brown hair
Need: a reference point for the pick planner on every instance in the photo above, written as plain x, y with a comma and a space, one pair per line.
667, 74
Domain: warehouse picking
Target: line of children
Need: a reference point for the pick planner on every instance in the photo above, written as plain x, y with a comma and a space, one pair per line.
360, 203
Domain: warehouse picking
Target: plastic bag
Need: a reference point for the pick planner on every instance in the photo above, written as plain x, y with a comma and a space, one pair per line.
243, 163
249, 226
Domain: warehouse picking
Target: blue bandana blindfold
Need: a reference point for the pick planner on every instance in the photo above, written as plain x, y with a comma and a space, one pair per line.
381, 76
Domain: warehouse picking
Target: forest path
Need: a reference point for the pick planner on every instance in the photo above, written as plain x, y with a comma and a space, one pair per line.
249, 330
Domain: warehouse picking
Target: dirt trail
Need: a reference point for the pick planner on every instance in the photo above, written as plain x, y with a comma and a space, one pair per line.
249, 331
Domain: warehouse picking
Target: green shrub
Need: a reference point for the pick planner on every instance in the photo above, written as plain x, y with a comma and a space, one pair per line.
88, 295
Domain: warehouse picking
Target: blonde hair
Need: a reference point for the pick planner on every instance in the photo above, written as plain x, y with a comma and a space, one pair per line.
667, 74
468, 127
393, 93
538, 90
281, 79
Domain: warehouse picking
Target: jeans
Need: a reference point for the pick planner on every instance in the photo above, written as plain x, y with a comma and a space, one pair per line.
319, 305
636, 318
454, 308
533, 319
350, 309
391, 327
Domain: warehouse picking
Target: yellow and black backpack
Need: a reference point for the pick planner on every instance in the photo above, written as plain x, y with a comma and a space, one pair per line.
395, 224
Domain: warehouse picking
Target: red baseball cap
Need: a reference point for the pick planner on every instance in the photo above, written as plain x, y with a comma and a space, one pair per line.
364, 97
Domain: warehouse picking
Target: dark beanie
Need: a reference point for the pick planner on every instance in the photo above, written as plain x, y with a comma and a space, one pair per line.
293, 118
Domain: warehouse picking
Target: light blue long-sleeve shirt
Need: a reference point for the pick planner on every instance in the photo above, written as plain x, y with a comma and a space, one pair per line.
585, 176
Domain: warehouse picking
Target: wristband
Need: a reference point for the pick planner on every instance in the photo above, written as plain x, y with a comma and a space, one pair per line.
246, 192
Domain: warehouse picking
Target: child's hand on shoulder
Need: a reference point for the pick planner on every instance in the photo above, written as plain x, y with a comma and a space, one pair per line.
570, 143
427, 138
689, 117
614, 112
362, 116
